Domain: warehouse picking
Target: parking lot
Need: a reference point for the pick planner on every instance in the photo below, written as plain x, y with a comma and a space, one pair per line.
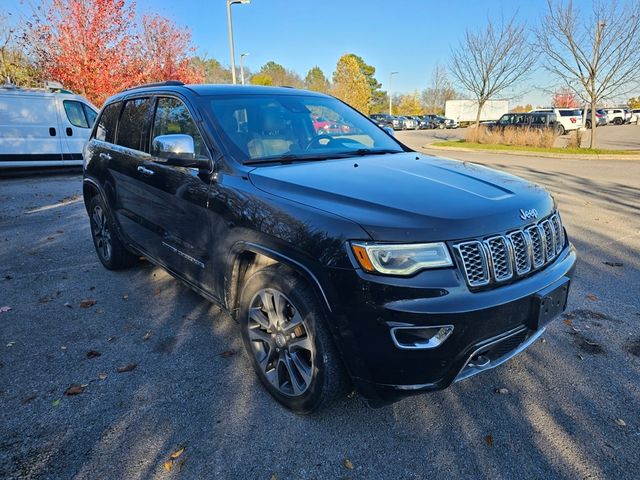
568, 408
609, 137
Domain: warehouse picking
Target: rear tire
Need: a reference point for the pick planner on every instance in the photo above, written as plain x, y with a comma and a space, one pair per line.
588, 124
560, 130
285, 334
111, 251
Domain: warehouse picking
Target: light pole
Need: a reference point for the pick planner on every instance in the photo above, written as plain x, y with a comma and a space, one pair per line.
230, 26
390, 93
242, 55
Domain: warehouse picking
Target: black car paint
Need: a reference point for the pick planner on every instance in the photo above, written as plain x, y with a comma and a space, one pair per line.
198, 224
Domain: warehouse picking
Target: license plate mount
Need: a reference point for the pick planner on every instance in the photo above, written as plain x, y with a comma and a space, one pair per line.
549, 303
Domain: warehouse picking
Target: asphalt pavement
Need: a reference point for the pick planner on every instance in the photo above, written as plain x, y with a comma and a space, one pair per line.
569, 406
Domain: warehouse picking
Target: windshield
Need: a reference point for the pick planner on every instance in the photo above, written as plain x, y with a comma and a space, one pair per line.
262, 128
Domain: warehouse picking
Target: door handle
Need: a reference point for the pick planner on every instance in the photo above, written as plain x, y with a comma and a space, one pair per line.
145, 171
69, 132
105, 156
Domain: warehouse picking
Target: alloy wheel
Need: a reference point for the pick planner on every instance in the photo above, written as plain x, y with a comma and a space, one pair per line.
101, 232
280, 342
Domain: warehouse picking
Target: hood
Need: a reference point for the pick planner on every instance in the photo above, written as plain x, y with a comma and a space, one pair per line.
408, 196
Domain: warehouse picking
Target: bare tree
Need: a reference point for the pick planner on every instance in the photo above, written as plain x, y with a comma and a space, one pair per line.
595, 55
488, 62
439, 91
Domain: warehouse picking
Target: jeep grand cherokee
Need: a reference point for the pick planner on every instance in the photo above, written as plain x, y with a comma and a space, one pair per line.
346, 257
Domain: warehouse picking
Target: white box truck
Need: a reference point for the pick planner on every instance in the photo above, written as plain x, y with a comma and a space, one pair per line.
466, 110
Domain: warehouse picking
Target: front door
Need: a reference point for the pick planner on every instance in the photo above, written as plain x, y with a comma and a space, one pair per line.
77, 120
180, 196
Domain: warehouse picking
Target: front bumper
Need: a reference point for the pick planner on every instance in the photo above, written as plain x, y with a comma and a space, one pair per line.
498, 322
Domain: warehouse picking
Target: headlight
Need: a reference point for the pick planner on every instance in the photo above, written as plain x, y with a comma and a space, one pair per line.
394, 259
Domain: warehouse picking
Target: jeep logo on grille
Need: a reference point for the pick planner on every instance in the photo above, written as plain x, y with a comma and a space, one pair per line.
527, 214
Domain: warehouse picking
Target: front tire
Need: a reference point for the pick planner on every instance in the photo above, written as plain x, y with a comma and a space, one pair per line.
284, 332
111, 251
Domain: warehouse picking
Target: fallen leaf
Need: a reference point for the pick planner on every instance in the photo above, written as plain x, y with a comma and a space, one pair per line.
56, 403
580, 357
74, 389
102, 375
593, 344
93, 354
111, 339
68, 305
591, 297
348, 464
125, 297
489, 440
502, 391
168, 465
620, 422
11, 344
177, 453
88, 302
28, 399
227, 353
146, 336
126, 368
567, 321
6, 308
613, 264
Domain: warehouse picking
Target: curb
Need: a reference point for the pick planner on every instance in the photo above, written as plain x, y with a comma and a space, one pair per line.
525, 153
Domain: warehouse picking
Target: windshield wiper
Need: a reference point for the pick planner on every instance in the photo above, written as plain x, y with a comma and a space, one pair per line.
289, 158
369, 151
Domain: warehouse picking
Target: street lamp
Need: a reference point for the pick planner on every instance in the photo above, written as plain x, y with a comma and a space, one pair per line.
230, 26
242, 55
390, 95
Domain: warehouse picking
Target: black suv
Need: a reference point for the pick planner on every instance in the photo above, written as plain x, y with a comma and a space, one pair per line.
535, 121
346, 258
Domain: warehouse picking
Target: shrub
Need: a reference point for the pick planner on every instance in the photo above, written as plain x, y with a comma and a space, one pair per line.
523, 137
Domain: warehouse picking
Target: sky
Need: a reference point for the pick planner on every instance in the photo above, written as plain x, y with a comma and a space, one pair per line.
407, 36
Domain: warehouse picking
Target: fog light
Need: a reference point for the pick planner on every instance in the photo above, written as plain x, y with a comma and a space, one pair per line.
420, 338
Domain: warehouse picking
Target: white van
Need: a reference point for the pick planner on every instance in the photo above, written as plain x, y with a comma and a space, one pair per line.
39, 127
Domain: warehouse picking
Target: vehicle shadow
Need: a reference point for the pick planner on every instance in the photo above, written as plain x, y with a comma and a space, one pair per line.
193, 385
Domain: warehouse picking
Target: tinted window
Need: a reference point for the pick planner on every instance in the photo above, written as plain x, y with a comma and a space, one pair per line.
172, 116
134, 123
106, 128
90, 113
75, 114
570, 113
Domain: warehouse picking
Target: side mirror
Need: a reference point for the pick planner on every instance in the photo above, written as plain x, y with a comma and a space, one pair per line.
389, 131
178, 150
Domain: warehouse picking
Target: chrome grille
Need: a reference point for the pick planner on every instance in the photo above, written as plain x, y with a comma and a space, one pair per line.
501, 257
474, 263
521, 251
537, 246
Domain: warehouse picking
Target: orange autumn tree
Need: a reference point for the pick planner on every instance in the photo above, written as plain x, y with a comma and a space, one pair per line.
165, 52
564, 98
94, 47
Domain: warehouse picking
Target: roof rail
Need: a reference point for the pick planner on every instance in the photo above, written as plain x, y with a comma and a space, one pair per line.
168, 83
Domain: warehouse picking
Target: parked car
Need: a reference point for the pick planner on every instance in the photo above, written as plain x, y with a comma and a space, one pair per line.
601, 118
42, 127
347, 260
408, 123
538, 120
451, 123
635, 115
421, 123
431, 121
390, 120
616, 116
568, 118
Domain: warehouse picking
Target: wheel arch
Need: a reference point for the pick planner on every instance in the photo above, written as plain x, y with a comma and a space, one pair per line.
247, 258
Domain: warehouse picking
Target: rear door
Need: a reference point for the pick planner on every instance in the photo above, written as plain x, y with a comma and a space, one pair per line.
77, 120
29, 130
177, 197
132, 200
